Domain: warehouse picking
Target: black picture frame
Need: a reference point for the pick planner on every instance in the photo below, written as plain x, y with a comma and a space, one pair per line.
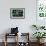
17, 13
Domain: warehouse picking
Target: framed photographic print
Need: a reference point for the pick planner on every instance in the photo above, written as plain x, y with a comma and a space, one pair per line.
17, 13
41, 8
41, 12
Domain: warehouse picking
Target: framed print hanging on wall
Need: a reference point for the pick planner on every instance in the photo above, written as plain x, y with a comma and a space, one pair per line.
41, 8
41, 12
17, 13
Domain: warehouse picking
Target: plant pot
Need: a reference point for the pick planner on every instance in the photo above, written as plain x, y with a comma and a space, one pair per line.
40, 41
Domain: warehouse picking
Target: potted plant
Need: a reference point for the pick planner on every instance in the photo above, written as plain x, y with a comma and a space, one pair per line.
39, 35
38, 27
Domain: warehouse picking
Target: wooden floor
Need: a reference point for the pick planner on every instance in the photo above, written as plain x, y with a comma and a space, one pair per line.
13, 44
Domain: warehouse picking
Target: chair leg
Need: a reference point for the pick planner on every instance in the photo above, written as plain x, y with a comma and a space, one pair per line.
5, 43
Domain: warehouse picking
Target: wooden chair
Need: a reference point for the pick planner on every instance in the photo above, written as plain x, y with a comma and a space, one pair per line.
25, 36
8, 34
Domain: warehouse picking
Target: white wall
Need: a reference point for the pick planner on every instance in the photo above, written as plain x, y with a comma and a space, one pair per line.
23, 24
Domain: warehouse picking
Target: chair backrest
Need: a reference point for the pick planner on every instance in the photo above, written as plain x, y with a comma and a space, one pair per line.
24, 37
14, 30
